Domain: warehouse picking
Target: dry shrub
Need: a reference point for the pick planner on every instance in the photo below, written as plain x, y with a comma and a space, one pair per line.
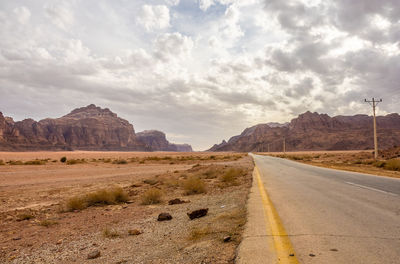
2, 162
197, 233
76, 203
231, 175
101, 197
110, 233
75, 161
15, 162
35, 162
105, 197
48, 223
24, 216
393, 164
120, 161
379, 163
151, 196
194, 185
63, 159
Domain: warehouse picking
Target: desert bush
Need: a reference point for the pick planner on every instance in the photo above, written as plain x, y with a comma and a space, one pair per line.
15, 162
151, 196
35, 162
2, 162
48, 223
392, 164
120, 161
357, 162
197, 233
75, 161
379, 163
231, 175
101, 197
194, 185
76, 203
106, 197
24, 216
110, 233
63, 159
210, 174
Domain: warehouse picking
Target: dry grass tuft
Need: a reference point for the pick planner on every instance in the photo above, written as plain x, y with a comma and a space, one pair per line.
101, 197
110, 233
230, 176
151, 196
197, 233
75, 161
24, 216
2, 162
392, 164
15, 162
35, 162
48, 223
194, 185
120, 161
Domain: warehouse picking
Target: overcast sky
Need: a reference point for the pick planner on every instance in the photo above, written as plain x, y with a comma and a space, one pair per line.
199, 70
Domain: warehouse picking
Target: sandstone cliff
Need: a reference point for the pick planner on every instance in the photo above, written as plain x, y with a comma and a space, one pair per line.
313, 131
158, 141
86, 128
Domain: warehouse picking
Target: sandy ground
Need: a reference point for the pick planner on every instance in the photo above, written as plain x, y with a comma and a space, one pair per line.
54, 235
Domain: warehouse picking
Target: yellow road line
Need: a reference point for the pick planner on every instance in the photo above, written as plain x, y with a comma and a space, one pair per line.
283, 247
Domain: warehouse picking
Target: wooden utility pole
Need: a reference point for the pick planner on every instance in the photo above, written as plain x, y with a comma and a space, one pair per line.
284, 145
374, 103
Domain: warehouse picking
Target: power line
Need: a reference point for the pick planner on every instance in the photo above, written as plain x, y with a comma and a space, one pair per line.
374, 103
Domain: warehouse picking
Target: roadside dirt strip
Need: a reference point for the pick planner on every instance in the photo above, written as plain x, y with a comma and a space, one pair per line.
265, 239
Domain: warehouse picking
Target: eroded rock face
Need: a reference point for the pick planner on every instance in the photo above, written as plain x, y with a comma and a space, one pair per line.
313, 131
157, 140
86, 128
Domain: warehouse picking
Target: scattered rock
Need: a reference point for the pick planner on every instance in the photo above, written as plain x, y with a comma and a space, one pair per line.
94, 254
129, 202
311, 255
164, 217
291, 255
176, 201
333, 249
227, 239
198, 213
134, 232
59, 242
16, 238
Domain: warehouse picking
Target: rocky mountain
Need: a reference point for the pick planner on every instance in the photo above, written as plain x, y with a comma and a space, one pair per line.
313, 131
86, 128
157, 140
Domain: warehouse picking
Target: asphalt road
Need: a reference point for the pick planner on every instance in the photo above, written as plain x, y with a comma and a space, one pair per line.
336, 216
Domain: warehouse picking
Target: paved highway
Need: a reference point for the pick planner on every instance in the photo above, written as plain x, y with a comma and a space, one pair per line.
334, 216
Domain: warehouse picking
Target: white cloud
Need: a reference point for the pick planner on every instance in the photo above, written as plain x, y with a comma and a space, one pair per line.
60, 15
22, 14
233, 64
154, 17
205, 4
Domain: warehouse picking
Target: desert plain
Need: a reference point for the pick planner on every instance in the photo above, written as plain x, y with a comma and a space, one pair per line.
103, 207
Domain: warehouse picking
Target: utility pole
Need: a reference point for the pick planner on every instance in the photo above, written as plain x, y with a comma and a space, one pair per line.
284, 145
268, 147
374, 103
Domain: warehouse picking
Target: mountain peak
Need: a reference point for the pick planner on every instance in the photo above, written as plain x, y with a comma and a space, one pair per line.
90, 111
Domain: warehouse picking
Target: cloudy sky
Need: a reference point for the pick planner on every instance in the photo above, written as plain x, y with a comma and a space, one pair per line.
199, 70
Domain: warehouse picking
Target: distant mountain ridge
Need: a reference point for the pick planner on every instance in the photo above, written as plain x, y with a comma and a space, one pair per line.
313, 131
85, 128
